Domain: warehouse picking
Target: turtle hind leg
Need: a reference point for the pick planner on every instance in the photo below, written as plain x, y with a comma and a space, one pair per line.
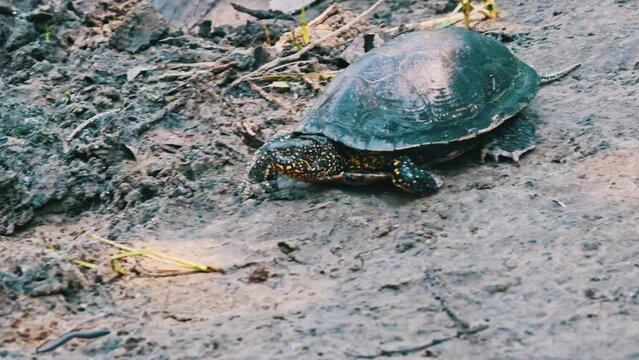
513, 139
414, 179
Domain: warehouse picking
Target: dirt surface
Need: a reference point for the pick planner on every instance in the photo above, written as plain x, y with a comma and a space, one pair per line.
539, 261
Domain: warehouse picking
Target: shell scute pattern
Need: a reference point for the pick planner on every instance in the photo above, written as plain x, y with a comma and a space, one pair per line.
423, 88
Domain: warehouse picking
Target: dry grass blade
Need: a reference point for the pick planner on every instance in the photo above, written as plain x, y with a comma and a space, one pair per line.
268, 96
70, 258
101, 116
154, 255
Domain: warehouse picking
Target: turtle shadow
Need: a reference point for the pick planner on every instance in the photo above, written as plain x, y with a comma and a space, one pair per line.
292, 190
384, 190
459, 165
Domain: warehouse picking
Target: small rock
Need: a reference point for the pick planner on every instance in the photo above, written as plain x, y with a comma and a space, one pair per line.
22, 33
8, 10
258, 276
593, 294
204, 29
263, 54
140, 29
7, 178
39, 16
402, 247
245, 58
383, 228
497, 288
590, 246
286, 247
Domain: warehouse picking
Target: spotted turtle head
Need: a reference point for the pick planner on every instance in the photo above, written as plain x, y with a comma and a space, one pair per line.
298, 156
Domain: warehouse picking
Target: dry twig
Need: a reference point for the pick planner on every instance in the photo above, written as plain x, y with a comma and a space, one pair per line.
98, 117
176, 75
201, 43
463, 328
450, 19
414, 349
295, 76
197, 74
295, 63
268, 96
262, 14
215, 67
330, 11
159, 116
318, 206
270, 65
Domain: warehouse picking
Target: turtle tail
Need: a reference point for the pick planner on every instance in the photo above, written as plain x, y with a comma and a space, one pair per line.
547, 79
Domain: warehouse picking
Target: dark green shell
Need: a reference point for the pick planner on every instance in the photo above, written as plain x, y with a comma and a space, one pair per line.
421, 88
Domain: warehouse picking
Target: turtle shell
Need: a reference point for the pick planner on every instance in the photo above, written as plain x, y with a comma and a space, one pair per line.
421, 88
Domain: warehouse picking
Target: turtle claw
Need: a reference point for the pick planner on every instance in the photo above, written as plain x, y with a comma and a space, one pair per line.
511, 140
495, 152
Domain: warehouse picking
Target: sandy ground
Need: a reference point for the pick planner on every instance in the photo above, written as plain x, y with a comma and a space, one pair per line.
539, 261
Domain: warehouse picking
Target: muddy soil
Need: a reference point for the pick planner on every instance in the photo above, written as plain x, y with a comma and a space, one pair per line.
538, 261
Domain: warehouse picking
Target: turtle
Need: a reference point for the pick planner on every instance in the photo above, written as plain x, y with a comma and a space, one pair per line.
421, 98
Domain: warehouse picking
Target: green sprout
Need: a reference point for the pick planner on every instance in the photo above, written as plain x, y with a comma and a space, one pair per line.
67, 97
306, 35
48, 30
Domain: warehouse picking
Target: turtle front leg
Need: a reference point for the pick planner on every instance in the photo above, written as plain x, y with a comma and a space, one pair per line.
414, 179
513, 139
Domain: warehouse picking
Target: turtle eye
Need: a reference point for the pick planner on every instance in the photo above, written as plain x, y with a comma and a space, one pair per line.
287, 152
